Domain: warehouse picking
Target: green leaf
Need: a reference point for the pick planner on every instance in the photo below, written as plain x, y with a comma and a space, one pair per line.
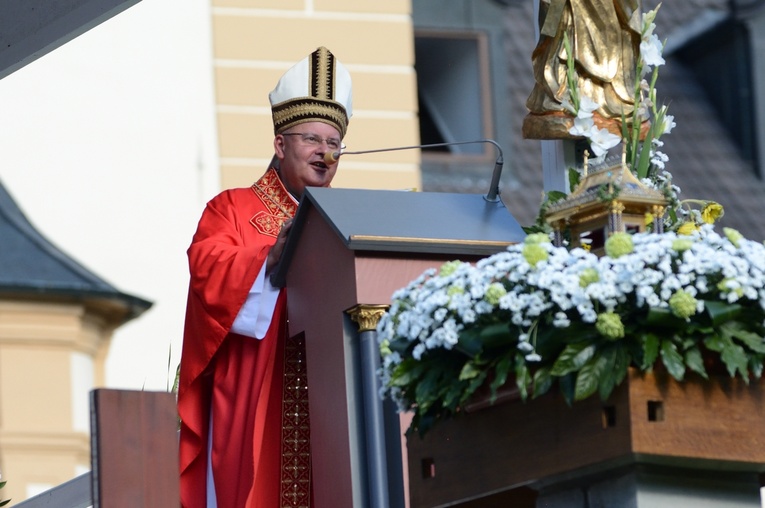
3, 503
522, 376
650, 350
423, 422
573, 179
714, 343
452, 396
735, 359
621, 364
672, 359
426, 391
607, 371
572, 358
542, 381
567, 386
751, 340
720, 312
587, 380
469, 371
474, 385
645, 155
500, 374
399, 345
625, 133
695, 362
495, 335
407, 372
469, 342
664, 318
554, 196
755, 366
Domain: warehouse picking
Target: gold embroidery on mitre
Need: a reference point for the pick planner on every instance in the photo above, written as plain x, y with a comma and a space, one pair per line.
280, 205
307, 109
322, 72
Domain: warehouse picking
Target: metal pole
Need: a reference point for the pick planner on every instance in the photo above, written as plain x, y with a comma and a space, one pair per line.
374, 421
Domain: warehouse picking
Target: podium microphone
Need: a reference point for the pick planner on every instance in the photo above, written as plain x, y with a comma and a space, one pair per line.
493, 194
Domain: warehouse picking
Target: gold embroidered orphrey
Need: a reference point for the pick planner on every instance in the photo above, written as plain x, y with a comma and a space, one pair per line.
295, 471
295, 489
279, 203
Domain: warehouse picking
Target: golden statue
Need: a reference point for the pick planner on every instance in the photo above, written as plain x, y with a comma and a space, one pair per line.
604, 37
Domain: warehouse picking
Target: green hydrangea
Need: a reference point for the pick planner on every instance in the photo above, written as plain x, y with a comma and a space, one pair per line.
724, 284
494, 292
536, 238
610, 325
588, 276
455, 290
682, 304
449, 268
733, 235
619, 244
533, 253
681, 244
385, 348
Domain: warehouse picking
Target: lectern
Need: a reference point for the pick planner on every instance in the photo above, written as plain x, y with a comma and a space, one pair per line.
348, 251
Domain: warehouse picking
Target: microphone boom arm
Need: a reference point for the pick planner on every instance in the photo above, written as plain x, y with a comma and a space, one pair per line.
493, 194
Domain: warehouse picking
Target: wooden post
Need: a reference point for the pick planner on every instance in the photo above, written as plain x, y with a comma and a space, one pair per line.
134, 449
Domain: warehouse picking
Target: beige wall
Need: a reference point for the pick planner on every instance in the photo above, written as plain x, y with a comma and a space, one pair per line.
255, 41
51, 356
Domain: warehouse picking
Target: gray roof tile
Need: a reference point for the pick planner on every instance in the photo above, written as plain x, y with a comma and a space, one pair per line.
31, 265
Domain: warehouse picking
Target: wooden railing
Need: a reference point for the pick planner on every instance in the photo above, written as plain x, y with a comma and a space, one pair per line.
134, 455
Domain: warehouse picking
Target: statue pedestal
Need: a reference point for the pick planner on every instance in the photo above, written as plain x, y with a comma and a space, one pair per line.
653, 486
654, 441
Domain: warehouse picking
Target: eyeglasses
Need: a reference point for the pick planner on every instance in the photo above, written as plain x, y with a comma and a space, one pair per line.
316, 140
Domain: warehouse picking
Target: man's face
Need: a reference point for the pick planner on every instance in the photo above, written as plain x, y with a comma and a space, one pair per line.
301, 151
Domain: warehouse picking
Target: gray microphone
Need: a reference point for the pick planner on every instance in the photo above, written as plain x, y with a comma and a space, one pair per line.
492, 195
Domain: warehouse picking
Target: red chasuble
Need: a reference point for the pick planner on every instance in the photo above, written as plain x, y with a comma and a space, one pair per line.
240, 379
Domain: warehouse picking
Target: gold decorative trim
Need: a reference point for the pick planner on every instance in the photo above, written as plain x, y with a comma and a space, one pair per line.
308, 109
295, 481
367, 316
279, 203
617, 207
322, 73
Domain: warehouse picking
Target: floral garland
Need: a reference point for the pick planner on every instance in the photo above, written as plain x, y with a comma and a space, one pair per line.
544, 314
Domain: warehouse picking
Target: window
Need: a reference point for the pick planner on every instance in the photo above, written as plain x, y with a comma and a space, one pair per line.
453, 93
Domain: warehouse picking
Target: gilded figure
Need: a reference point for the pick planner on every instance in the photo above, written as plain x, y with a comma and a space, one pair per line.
604, 37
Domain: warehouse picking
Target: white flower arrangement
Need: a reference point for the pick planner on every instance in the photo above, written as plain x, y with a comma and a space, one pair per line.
547, 315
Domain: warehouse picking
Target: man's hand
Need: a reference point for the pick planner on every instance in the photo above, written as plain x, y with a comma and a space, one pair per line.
275, 254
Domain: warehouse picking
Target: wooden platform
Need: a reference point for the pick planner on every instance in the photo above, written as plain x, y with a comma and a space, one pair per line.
719, 424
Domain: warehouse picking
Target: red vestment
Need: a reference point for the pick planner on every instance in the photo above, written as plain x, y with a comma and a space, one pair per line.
239, 378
